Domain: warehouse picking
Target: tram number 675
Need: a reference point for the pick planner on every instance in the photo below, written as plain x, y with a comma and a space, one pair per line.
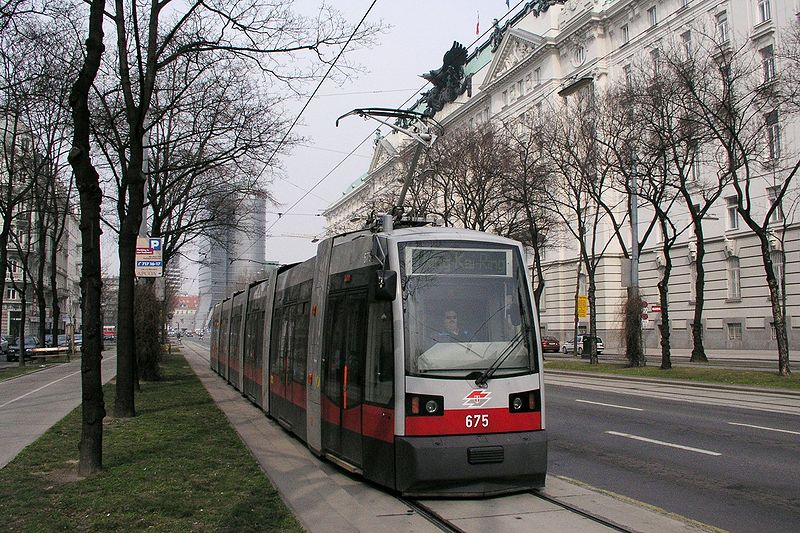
474, 421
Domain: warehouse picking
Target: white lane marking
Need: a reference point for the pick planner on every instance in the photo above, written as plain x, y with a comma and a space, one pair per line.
40, 388
662, 443
611, 405
45, 386
766, 428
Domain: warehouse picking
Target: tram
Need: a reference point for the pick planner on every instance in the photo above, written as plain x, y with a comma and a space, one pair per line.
348, 351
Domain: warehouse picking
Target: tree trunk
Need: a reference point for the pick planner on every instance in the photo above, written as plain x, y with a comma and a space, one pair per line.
663, 298
633, 328
92, 405
54, 290
592, 319
698, 349
778, 318
575, 314
124, 405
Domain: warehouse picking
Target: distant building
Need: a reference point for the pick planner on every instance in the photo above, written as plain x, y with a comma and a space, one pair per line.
26, 253
183, 316
232, 262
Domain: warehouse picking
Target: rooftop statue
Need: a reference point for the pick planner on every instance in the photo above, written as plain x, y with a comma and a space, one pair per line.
448, 80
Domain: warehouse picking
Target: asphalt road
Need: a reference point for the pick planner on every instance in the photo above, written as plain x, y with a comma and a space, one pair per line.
724, 458
31, 404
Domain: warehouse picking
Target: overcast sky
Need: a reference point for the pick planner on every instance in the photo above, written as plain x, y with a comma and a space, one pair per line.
422, 31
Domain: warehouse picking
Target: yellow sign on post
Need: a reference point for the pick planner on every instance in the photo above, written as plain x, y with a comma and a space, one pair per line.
583, 306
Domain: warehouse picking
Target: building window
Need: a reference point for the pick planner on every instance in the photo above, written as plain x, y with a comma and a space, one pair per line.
695, 170
684, 3
580, 55
778, 268
733, 215
772, 197
626, 71
722, 27
773, 135
764, 11
626, 34
652, 16
735, 331
686, 40
655, 57
734, 279
505, 98
537, 75
768, 62
520, 88
11, 293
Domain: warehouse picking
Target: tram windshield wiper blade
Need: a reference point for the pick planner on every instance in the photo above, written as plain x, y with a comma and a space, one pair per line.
483, 379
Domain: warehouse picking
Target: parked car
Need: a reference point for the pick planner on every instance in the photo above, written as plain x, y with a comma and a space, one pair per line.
568, 345
31, 341
3, 344
78, 339
109, 335
550, 344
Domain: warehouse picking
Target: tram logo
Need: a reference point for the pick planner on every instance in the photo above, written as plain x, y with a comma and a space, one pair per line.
477, 398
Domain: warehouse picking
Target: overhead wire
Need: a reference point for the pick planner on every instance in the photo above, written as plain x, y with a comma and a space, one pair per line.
475, 41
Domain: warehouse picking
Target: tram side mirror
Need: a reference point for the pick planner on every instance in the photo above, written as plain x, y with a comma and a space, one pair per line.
385, 285
514, 316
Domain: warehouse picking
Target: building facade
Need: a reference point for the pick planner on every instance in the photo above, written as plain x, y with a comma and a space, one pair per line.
549, 49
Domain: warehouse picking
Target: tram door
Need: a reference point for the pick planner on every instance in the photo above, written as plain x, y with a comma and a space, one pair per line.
343, 376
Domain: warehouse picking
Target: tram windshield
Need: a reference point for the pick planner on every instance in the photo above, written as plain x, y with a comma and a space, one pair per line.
465, 308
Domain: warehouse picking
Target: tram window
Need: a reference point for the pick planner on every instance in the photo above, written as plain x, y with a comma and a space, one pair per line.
299, 353
380, 354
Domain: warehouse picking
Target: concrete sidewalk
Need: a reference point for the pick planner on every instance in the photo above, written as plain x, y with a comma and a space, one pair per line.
756, 359
326, 499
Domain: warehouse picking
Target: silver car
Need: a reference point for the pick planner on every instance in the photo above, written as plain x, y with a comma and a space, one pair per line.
569, 345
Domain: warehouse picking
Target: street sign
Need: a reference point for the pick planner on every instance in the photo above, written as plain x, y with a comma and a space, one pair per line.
644, 304
583, 306
148, 257
655, 308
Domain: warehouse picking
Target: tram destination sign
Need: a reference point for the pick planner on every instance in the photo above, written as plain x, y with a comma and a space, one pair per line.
458, 262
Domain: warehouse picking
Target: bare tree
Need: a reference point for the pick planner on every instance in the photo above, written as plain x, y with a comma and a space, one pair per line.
526, 190
88, 182
580, 197
742, 105
470, 166
284, 47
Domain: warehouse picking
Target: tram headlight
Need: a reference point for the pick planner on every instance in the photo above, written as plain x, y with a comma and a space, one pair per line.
524, 402
424, 405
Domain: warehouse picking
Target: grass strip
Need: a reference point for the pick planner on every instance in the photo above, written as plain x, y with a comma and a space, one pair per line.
752, 378
177, 466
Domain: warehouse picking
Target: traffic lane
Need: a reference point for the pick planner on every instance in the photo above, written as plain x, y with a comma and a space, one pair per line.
31, 404
753, 482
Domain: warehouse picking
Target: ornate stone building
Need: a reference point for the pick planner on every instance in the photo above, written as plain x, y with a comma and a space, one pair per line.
548, 50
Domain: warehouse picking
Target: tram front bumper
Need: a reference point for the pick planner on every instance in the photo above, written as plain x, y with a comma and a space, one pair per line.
471, 465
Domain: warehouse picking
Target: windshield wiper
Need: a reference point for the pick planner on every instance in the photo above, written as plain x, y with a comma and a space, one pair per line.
483, 379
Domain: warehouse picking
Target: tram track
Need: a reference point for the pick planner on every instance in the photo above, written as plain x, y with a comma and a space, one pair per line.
571, 508
432, 516
435, 517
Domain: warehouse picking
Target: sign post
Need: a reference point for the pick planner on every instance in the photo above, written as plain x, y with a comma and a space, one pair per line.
149, 263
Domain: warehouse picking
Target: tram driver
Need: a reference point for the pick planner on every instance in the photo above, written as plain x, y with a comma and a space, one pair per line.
450, 332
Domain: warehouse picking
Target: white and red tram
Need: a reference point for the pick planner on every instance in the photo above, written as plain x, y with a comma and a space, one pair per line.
346, 351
